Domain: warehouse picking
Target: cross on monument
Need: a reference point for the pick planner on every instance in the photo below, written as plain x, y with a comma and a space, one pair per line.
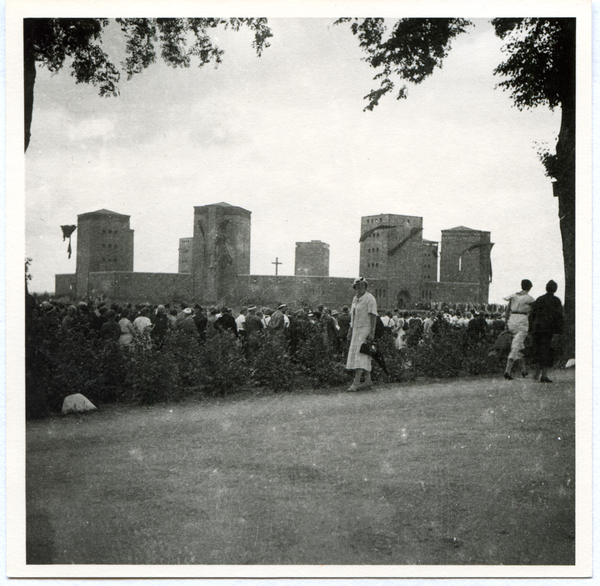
276, 263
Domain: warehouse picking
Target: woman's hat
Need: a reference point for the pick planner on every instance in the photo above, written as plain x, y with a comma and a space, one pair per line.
360, 280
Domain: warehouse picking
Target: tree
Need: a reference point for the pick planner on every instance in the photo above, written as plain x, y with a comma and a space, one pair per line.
539, 71
50, 42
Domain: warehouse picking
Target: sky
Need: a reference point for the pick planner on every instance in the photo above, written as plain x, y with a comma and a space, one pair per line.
285, 136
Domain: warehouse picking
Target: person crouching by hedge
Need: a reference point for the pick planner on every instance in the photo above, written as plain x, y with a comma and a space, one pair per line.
363, 319
545, 320
517, 320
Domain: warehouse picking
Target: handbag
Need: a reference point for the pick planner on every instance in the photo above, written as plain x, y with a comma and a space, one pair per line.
369, 348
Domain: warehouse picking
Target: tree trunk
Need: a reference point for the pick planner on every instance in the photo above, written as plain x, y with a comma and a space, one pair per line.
565, 184
29, 73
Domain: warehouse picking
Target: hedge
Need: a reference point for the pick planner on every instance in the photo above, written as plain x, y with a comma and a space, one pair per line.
60, 363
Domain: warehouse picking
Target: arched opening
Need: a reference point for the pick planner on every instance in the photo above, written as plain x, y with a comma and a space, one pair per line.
403, 299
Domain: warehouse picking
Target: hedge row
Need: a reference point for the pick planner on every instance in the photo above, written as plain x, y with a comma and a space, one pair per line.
60, 363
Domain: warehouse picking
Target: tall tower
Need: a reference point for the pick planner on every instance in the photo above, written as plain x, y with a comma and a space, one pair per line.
312, 259
391, 248
466, 258
221, 250
104, 243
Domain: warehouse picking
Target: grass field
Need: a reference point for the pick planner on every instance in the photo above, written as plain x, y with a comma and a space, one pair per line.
477, 471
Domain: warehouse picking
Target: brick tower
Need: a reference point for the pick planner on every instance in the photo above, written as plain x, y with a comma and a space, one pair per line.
391, 248
465, 258
104, 243
220, 251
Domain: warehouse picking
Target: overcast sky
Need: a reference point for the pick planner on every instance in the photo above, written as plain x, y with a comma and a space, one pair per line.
285, 136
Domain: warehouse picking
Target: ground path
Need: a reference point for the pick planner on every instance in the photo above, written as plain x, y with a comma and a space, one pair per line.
477, 471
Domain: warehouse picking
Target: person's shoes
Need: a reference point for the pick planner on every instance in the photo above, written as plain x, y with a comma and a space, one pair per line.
507, 376
352, 389
525, 374
545, 379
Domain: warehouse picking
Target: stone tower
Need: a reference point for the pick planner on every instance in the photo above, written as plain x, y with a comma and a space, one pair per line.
220, 252
104, 243
465, 258
391, 248
312, 259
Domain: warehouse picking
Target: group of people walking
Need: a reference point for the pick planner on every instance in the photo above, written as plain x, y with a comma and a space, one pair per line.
536, 321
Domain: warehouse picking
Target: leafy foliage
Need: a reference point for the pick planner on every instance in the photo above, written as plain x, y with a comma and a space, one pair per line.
63, 361
50, 42
173, 37
317, 358
412, 50
540, 64
271, 364
225, 370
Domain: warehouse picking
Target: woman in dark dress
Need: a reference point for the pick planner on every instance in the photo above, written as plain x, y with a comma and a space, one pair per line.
545, 320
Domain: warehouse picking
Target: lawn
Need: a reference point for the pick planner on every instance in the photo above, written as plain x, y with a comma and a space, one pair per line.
477, 471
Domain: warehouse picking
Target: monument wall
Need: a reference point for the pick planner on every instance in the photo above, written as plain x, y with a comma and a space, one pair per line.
122, 287
65, 285
459, 293
270, 290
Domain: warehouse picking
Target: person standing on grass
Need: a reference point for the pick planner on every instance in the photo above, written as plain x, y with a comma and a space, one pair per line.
545, 320
517, 320
363, 319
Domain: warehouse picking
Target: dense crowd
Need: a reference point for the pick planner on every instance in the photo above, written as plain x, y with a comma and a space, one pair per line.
126, 323
164, 352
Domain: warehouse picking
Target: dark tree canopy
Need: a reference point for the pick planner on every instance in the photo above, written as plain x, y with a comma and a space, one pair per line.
411, 51
540, 65
51, 42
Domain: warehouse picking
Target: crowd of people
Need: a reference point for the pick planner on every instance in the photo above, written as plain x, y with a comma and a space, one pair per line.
342, 330
126, 322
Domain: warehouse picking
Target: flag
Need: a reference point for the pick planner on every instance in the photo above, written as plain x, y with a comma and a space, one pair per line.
67, 231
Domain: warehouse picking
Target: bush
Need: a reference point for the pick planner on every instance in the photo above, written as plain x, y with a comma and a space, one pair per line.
394, 359
153, 375
271, 364
439, 356
226, 370
62, 362
315, 355
184, 352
